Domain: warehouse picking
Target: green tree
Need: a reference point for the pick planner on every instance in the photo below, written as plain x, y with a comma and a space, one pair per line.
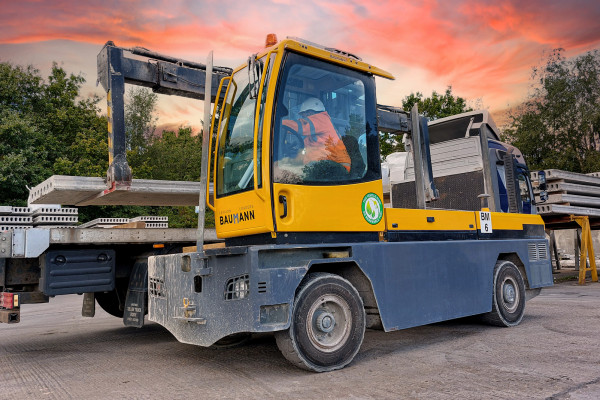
45, 128
438, 105
433, 107
559, 125
140, 117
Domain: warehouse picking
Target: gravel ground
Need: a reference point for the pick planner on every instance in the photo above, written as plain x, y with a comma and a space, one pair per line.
54, 353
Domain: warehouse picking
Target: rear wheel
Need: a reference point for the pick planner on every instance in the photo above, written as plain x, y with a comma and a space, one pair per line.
328, 324
508, 304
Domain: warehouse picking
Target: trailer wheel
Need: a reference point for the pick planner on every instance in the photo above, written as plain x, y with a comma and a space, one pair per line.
508, 304
328, 324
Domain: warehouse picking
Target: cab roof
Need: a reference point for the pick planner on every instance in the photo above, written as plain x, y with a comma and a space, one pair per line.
328, 54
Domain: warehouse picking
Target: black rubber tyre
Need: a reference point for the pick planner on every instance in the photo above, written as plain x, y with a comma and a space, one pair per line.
508, 304
328, 324
109, 301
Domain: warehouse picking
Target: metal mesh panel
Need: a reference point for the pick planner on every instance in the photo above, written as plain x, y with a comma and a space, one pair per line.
156, 287
457, 192
237, 288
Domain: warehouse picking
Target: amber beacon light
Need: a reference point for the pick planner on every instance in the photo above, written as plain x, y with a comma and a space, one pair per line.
271, 40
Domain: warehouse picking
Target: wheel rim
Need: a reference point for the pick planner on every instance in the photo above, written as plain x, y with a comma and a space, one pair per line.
510, 295
328, 323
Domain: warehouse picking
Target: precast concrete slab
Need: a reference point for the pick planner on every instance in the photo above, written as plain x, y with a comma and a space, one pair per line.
145, 192
14, 220
62, 189
10, 210
556, 209
104, 221
14, 227
85, 191
149, 218
55, 211
157, 225
567, 176
55, 219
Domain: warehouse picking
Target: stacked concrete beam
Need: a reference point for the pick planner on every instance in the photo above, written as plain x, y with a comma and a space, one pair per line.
149, 219
55, 217
570, 193
104, 223
85, 191
151, 222
12, 218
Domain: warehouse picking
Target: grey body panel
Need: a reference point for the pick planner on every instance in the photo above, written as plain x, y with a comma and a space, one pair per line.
414, 283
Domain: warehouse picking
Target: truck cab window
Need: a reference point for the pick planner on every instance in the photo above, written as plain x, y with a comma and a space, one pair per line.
525, 192
323, 129
236, 137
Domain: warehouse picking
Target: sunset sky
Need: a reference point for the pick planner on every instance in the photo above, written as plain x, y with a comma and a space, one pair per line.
484, 49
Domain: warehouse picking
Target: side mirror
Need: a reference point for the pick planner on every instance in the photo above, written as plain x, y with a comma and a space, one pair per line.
542, 186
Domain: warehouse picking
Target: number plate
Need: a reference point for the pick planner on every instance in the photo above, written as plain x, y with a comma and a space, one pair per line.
485, 221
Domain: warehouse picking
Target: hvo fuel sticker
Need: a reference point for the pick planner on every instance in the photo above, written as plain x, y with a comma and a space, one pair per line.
372, 208
485, 221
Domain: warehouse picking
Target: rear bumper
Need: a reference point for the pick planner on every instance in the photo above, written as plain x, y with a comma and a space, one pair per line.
202, 300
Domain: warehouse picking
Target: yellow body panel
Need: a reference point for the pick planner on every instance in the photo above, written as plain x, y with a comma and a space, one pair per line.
416, 220
325, 208
510, 221
242, 214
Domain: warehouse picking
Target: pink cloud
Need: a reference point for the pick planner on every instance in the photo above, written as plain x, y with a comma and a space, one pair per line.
482, 48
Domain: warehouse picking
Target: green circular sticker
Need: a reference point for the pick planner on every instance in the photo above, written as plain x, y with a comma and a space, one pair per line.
372, 208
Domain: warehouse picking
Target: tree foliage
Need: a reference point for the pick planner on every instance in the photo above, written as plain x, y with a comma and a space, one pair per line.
46, 129
437, 105
433, 107
140, 118
559, 125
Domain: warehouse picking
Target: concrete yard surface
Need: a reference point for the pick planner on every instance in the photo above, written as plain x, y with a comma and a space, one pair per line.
54, 353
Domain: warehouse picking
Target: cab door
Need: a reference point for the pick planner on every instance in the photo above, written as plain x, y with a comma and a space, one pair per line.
241, 198
326, 171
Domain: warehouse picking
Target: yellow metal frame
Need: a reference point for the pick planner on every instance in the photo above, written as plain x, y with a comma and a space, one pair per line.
587, 249
210, 141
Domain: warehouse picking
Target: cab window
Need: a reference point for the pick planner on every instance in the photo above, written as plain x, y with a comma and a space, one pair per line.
325, 126
236, 137
525, 192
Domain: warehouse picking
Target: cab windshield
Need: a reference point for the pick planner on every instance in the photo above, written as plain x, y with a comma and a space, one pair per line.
325, 126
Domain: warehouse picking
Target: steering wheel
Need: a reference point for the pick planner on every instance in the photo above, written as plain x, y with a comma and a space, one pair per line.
292, 142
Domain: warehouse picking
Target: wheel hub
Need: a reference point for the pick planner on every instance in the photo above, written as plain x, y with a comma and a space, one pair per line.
325, 321
509, 293
330, 323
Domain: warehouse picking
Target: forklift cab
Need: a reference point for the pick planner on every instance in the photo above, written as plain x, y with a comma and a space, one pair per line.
282, 170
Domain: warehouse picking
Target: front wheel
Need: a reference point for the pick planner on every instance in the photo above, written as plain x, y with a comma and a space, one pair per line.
508, 304
328, 324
